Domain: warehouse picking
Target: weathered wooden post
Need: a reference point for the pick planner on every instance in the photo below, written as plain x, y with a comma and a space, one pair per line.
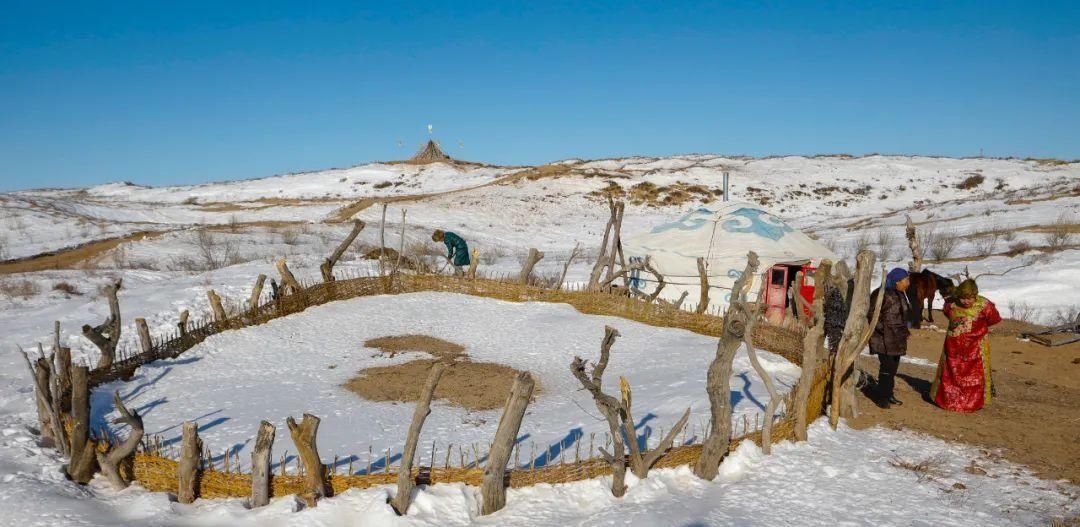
183, 323
289, 285
327, 266
191, 449
530, 262
110, 462
145, 343
474, 261
703, 297
83, 461
260, 465
401, 500
912, 236
303, 435
256, 293
493, 485
107, 335
857, 332
814, 352
715, 446
215, 305
62, 360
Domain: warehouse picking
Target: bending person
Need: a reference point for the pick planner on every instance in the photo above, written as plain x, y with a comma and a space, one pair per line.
457, 251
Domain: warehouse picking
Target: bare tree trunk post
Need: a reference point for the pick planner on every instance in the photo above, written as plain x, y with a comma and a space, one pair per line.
715, 446
288, 281
47, 421
857, 331
473, 262
327, 266
182, 323
303, 435
401, 246
493, 485
566, 267
110, 462
256, 292
83, 462
382, 241
530, 262
405, 484
608, 406
813, 350
62, 361
601, 258
107, 335
260, 466
216, 307
145, 343
191, 448
703, 298
774, 395
912, 235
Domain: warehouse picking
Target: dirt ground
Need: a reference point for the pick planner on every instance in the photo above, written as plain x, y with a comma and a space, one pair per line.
1034, 420
468, 384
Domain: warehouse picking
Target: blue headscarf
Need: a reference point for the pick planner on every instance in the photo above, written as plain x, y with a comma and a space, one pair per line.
894, 276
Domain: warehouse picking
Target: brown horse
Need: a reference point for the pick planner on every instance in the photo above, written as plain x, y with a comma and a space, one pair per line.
924, 285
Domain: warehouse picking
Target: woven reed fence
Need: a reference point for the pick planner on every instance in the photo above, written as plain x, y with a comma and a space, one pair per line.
158, 472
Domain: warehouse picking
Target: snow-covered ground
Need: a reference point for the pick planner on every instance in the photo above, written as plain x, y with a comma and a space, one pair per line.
299, 363
836, 478
846, 477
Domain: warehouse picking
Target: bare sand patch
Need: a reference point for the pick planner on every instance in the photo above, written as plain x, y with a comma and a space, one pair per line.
468, 384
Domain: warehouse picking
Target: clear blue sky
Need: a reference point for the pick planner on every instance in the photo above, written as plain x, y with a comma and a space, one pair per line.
192, 91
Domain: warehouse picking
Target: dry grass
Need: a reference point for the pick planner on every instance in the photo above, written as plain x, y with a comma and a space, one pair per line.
648, 193
885, 242
67, 289
19, 288
939, 244
1060, 233
1022, 311
971, 182
1019, 247
986, 241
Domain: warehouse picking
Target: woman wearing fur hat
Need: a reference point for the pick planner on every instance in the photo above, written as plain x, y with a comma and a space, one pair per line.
963, 382
889, 340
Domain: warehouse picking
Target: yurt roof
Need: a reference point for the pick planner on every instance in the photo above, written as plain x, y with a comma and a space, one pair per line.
722, 234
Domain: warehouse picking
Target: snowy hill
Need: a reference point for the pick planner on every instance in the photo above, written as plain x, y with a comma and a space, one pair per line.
1014, 221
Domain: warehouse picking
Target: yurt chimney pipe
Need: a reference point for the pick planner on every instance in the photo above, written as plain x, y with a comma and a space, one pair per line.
725, 186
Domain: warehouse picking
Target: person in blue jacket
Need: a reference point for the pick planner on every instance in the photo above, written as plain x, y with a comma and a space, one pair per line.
457, 251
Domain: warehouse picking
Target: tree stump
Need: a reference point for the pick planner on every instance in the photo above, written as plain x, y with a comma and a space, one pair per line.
110, 462
703, 297
857, 332
493, 485
530, 262
289, 284
146, 344
191, 449
303, 436
401, 500
256, 293
83, 460
260, 466
107, 335
215, 304
715, 446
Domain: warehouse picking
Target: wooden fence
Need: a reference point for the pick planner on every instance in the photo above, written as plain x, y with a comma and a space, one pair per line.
156, 469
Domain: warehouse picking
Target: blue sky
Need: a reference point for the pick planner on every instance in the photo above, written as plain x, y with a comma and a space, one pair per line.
161, 93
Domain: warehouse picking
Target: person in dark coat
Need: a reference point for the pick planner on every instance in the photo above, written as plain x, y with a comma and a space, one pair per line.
889, 340
457, 251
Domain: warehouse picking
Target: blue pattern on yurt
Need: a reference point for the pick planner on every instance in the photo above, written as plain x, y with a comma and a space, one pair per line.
690, 222
757, 222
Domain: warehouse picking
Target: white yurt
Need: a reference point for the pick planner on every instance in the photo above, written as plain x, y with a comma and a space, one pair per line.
723, 234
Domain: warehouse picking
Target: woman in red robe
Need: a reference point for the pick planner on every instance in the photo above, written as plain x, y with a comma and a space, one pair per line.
963, 382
